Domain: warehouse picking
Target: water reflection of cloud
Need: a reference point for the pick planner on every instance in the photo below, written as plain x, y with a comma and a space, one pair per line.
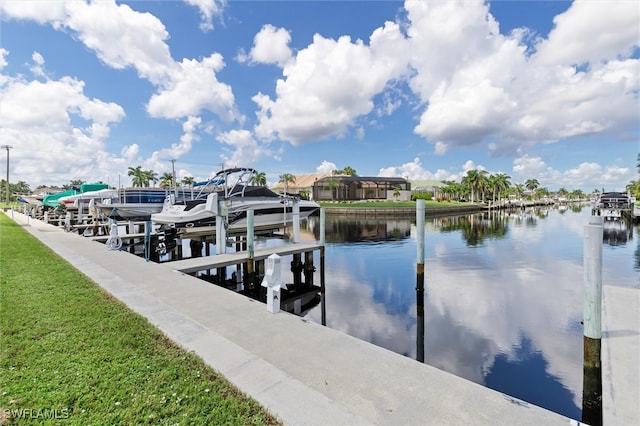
473, 314
504, 304
351, 309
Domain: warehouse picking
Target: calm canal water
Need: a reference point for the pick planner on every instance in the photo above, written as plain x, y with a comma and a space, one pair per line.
502, 299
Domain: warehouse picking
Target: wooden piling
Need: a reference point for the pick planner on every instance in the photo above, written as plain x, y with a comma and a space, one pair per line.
592, 314
420, 218
239, 244
250, 278
322, 227
593, 285
323, 307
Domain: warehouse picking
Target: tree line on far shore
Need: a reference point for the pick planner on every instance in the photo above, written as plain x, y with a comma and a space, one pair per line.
476, 185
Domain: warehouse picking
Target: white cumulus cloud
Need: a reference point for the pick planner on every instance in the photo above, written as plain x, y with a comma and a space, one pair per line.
244, 151
270, 46
322, 92
208, 10
326, 167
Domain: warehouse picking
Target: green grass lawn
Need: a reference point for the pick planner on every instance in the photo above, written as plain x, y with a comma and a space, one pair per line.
70, 350
12, 205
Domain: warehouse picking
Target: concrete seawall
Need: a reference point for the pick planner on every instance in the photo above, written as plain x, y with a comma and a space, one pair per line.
409, 212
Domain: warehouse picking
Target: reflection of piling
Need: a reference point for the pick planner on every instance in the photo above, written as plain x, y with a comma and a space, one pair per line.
309, 269
592, 372
297, 268
420, 215
323, 308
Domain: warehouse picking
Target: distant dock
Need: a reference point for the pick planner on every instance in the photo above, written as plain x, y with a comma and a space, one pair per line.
613, 206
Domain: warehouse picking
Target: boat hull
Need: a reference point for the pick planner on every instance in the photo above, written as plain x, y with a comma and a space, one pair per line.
140, 203
129, 211
267, 214
232, 202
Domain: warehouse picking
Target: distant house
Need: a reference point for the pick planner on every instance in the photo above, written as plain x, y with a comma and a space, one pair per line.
427, 187
303, 184
359, 188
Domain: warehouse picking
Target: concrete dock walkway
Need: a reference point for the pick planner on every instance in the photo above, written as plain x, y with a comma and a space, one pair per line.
306, 373
620, 355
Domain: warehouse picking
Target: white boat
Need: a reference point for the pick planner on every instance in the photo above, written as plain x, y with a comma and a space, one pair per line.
232, 202
611, 205
73, 202
140, 203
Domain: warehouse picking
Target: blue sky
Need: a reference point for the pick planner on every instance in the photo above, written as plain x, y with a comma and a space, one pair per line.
419, 89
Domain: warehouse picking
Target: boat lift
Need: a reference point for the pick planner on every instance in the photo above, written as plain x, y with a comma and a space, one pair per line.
612, 205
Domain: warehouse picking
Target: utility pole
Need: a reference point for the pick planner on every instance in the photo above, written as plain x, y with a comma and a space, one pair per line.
7, 147
173, 171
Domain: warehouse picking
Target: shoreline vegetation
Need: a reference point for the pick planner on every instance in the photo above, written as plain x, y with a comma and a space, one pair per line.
408, 208
387, 204
398, 209
73, 353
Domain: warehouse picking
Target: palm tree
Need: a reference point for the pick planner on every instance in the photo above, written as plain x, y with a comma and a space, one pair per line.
151, 176
188, 181
332, 184
483, 183
633, 188
305, 193
492, 186
446, 192
577, 194
542, 192
502, 183
476, 181
457, 190
21, 187
349, 171
467, 183
465, 189
138, 176
287, 178
518, 189
259, 179
166, 180
532, 184
396, 192
72, 183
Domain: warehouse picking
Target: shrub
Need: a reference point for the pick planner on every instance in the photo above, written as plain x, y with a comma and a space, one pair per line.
427, 196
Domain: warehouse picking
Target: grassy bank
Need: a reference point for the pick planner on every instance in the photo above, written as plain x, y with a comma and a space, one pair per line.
71, 351
389, 204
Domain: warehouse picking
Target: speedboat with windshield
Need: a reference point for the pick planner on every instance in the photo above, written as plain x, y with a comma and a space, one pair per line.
232, 197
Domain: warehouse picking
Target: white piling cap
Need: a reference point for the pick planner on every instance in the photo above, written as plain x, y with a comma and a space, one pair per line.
272, 273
